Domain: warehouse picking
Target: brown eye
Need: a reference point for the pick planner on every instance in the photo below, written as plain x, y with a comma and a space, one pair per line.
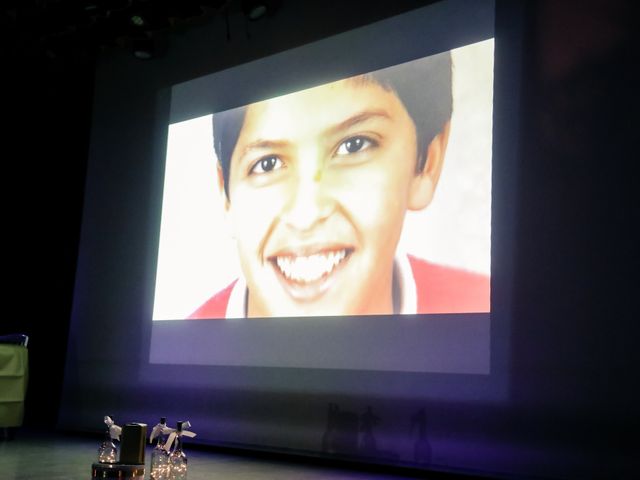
354, 145
267, 164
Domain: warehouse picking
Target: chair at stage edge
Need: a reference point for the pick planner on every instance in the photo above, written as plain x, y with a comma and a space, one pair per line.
14, 375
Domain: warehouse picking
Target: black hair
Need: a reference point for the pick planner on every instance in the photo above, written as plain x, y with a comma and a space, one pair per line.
423, 86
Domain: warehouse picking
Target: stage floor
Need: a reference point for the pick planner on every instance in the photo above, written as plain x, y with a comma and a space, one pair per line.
42, 455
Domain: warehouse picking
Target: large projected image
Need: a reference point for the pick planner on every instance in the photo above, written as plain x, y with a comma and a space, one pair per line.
350, 218
370, 195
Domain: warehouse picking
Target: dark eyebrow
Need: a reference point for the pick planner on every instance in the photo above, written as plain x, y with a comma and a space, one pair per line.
356, 119
263, 145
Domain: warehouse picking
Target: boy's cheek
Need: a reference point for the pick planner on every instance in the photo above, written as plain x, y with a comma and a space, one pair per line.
373, 192
251, 214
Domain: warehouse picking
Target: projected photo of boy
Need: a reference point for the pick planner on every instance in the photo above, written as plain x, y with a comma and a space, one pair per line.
316, 188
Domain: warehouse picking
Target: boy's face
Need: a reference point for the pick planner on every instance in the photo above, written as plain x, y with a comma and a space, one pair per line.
319, 184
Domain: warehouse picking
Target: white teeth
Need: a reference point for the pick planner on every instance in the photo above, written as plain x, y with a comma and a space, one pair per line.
311, 268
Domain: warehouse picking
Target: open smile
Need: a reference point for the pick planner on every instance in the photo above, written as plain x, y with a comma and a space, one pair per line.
307, 275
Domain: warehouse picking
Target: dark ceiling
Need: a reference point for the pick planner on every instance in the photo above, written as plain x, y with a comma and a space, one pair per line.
68, 29
80, 27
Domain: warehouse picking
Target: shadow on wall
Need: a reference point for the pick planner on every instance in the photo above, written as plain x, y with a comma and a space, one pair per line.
348, 434
421, 448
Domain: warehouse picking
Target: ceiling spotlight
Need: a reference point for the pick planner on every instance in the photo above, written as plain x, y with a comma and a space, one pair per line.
255, 9
137, 20
257, 12
143, 48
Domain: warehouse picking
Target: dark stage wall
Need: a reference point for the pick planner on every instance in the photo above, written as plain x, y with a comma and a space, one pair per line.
569, 408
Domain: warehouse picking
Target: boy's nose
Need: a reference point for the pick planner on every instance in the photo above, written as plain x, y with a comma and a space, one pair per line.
309, 204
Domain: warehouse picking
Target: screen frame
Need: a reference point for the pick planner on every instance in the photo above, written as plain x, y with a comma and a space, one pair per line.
438, 27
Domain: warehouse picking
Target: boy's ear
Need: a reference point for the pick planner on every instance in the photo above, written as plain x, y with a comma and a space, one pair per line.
424, 183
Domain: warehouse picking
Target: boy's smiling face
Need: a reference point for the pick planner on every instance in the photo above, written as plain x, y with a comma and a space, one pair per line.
319, 184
